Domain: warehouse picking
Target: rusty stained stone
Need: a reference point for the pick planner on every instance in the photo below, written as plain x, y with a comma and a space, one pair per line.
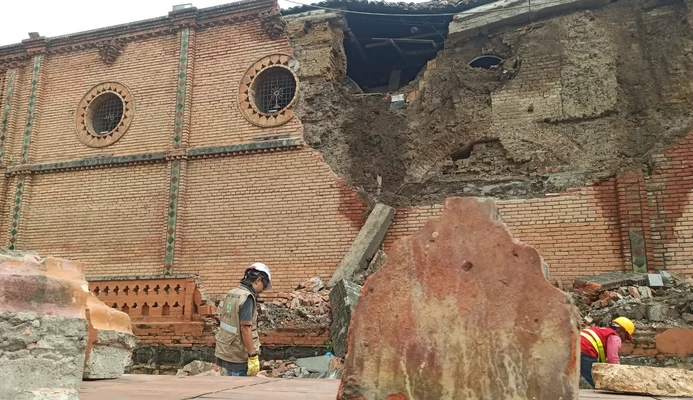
461, 310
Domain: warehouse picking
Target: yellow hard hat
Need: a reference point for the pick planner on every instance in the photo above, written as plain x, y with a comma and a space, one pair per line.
626, 324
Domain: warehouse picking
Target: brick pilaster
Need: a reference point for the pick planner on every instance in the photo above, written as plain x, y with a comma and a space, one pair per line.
185, 21
633, 220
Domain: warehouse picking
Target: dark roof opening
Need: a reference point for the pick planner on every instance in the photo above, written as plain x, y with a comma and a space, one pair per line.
485, 62
385, 53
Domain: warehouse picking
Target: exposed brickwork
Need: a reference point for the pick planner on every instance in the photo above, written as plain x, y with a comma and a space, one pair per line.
669, 189
576, 233
223, 55
632, 222
308, 337
286, 209
109, 218
148, 68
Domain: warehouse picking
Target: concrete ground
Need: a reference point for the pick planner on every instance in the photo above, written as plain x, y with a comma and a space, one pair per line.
166, 387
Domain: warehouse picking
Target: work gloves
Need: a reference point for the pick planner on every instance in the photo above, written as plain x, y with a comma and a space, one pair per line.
253, 365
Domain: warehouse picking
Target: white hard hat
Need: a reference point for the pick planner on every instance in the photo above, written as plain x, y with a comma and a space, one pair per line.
262, 268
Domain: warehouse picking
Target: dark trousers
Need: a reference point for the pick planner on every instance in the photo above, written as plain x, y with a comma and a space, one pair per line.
586, 367
233, 369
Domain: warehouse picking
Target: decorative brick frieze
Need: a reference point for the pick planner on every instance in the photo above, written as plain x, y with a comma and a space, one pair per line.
146, 158
87, 163
272, 145
233, 13
272, 23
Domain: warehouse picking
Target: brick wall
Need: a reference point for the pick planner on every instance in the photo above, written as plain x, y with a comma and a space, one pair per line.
223, 54
109, 218
634, 221
287, 209
142, 204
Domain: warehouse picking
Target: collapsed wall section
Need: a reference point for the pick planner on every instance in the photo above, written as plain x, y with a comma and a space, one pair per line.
577, 97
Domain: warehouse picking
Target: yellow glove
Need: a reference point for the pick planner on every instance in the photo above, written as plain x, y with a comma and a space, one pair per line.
253, 365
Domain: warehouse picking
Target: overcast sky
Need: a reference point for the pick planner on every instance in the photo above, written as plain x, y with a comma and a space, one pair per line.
60, 17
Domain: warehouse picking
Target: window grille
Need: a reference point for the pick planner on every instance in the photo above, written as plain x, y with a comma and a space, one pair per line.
107, 115
274, 90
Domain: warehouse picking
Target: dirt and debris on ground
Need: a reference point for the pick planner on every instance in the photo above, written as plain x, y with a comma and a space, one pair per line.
328, 367
600, 300
307, 306
622, 92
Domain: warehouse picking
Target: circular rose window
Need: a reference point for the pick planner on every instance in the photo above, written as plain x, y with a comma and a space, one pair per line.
104, 114
268, 90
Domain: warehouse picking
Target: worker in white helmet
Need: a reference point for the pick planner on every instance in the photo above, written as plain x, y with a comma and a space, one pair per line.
238, 342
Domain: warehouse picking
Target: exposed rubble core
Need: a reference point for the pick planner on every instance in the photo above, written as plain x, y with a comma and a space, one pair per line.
577, 97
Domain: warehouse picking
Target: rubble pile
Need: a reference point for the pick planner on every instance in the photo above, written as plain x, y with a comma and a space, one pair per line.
201, 368
308, 305
321, 367
663, 299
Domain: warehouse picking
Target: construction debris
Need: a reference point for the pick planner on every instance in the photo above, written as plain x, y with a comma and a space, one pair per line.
601, 298
201, 368
306, 306
643, 380
321, 367
461, 309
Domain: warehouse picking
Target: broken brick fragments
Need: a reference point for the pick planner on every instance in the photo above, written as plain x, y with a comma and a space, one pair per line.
461, 310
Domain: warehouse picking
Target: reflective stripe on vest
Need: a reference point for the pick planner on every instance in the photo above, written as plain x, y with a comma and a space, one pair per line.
596, 342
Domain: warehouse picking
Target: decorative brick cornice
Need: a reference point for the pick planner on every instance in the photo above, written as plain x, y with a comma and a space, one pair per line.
109, 50
232, 13
255, 147
87, 163
157, 157
272, 23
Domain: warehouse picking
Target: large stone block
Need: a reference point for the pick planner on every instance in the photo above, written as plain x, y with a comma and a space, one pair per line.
40, 351
651, 381
111, 341
366, 244
343, 298
461, 310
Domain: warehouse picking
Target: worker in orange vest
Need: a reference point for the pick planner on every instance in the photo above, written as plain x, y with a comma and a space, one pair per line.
599, 345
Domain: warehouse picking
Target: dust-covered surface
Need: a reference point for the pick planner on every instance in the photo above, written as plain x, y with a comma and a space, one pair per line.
577, 98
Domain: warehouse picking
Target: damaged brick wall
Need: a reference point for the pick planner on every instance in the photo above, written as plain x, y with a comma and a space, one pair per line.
577, 97
640, 221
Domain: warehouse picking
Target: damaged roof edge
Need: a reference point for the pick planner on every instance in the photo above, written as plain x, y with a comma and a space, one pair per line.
429, 7
200, 15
